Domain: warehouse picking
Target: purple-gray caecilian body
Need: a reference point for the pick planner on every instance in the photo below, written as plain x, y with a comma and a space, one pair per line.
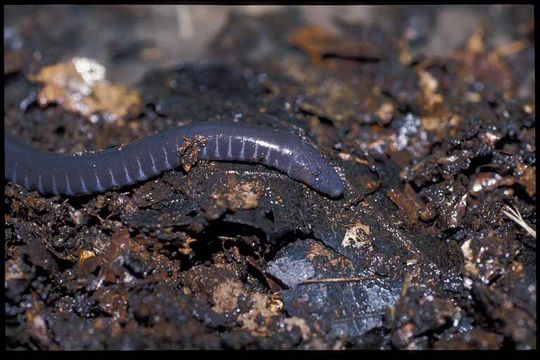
97, 172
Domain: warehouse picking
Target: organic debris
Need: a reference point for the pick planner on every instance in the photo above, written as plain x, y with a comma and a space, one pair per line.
80, 86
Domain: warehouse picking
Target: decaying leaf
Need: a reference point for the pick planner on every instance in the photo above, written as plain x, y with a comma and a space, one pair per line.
80, 86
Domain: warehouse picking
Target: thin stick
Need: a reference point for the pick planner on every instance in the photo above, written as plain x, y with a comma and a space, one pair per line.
338, 280
516, 216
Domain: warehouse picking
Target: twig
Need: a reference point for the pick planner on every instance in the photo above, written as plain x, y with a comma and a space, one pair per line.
516, 216
338, 280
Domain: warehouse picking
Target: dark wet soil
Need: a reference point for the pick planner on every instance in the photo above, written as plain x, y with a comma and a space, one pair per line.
419, 253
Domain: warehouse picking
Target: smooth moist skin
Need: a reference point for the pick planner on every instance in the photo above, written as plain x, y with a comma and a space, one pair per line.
95, 172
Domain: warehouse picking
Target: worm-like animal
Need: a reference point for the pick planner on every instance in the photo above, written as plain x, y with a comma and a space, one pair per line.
94, 172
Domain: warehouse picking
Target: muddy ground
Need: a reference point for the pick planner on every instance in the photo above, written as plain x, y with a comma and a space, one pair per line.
421, 252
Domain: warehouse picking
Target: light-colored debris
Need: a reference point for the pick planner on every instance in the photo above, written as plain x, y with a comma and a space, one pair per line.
516, 216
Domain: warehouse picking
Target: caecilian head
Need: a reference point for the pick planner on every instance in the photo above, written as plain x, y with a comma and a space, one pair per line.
312, 169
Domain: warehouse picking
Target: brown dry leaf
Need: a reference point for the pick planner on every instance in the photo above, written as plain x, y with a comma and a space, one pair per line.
318, 42
80, 86
312, 40
115, 100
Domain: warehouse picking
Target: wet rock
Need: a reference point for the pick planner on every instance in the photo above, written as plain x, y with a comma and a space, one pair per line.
291, 273
343, 299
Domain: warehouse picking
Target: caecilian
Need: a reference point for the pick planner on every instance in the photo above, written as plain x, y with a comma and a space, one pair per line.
94, 172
